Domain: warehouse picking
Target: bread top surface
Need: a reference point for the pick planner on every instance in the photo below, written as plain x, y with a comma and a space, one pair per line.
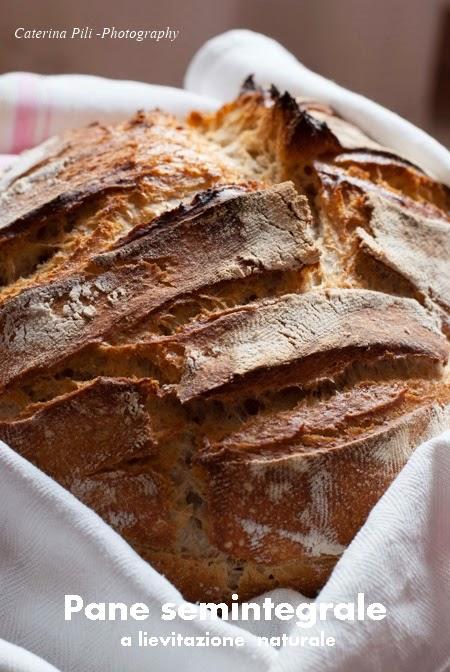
255, 278
233, 235
78, 193
68, 170
201, 317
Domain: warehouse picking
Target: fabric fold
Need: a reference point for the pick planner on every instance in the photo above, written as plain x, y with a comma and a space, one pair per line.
35, 107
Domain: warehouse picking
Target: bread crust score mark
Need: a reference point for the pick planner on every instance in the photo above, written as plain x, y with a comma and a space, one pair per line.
233, 382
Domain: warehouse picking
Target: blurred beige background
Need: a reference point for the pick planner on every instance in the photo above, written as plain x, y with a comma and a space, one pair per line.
394, 51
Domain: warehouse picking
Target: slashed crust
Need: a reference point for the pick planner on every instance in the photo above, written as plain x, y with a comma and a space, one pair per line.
73, 168
225, 335
227, 240
310, 333
304, 505
76, 194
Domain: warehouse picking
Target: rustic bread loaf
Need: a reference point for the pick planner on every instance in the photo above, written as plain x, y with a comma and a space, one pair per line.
227, 335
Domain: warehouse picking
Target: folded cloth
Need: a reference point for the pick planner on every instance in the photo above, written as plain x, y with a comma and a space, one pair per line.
222, 64
52, 545
56, 546
400, 558
34, 107
15, 659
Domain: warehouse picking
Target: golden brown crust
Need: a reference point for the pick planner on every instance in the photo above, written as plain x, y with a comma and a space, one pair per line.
414, 246
273, 509
307, 425
246, 234
318, 327
80, 415
77, 193
233, 382
71, 169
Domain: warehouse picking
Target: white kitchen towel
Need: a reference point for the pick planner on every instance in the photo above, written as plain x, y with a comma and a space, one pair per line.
50, 544
16, 659
34, 107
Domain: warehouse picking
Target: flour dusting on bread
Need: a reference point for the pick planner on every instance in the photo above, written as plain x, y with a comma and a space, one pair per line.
225, 335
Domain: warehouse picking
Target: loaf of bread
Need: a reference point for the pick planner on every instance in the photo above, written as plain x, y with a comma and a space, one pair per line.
227, 335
